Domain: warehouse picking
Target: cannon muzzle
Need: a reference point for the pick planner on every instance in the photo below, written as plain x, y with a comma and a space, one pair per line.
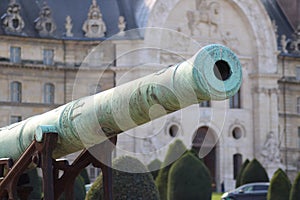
213, 73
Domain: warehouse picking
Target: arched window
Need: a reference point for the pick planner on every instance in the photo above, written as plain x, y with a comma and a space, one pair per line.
298, 105
16, 91
237, 163
49, 90
235, 101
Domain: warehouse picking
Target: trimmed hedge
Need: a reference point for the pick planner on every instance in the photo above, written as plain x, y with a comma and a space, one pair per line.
295, 190
280, 186
254, 172
239, 175
127, 185
189, 178
154, 167
174, 152
85, 176
79, 189
35, 181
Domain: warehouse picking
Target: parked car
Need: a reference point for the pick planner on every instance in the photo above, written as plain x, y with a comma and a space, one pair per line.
251, 191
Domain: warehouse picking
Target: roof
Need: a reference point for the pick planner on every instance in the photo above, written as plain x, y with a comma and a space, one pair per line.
78, 11
283, 27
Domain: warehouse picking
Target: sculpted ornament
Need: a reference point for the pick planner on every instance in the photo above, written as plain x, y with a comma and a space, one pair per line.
270, 151
69, 26
12, 21
94, 26
121, 26
295, 44
44, 24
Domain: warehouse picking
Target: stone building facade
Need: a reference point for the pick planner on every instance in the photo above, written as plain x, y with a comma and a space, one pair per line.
54, 51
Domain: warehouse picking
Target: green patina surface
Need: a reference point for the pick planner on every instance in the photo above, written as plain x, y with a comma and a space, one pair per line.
90, 120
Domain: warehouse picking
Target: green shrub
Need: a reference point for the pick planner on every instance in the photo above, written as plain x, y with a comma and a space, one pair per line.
295, 191
239, 175
85, 176
35, 181
174, 152
154, 167
127, 185
189, 178
254, 172
79, 189
280, 186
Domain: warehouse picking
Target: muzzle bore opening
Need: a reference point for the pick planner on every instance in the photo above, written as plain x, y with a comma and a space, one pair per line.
222, 70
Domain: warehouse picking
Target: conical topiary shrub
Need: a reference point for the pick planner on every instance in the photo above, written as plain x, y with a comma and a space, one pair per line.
189, 178
280, 186
174, 152
79, 189
295, 191
85, 176
127, 185
154, 167
239, 175
254, 172
35, 181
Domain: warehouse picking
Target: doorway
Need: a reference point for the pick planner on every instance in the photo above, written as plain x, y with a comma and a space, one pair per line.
204, 144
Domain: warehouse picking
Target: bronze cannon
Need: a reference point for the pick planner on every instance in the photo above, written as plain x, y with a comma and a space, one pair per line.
213, 73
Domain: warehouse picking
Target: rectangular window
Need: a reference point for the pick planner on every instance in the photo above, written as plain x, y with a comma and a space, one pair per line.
16, 91
15, 54
298, 73
15, 119
298, 105
49, 91
205, 104
298, 137
94, 89
48, 55
235, 101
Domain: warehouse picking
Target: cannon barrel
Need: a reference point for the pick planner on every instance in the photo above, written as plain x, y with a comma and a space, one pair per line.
213, 73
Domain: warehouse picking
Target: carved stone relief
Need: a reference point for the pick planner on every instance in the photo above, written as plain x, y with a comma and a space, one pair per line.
12, 20
45, 24
94, 26
271, 149
205, 15
231, 41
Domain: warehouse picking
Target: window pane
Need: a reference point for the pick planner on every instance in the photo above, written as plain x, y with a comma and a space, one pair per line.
94, 89
298, 105
299, 137
16, 91
48, 56
15, 54
235, 101
49, 90
15, 119
298, 73
205, 104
